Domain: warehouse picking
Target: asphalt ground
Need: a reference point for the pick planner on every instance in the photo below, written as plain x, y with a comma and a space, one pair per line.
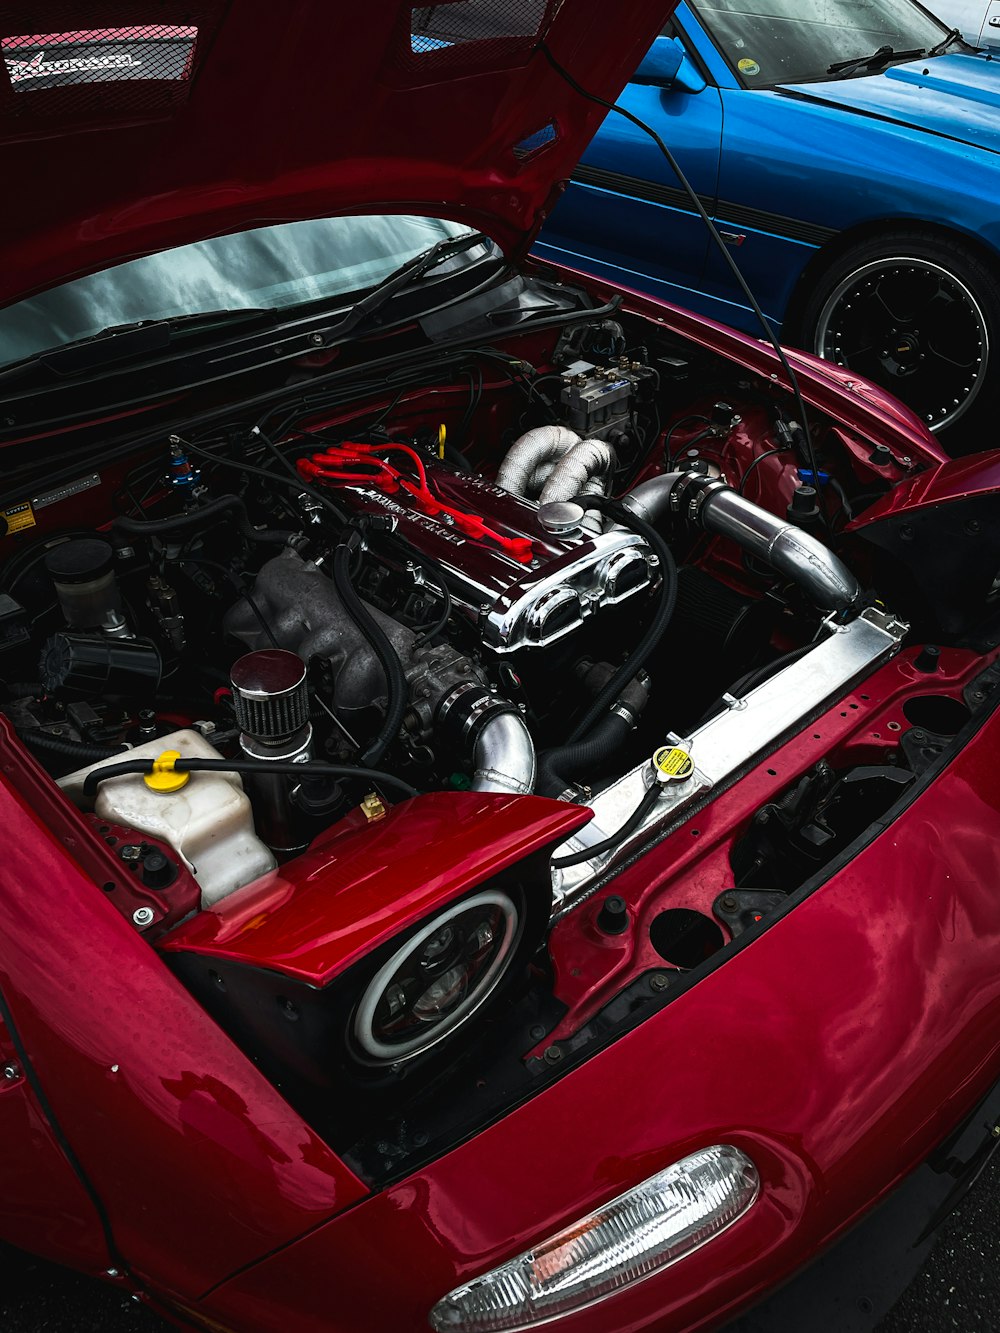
958, 1287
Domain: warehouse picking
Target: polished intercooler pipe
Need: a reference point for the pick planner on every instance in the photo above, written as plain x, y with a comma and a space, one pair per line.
504, 757
503, 753
719, 509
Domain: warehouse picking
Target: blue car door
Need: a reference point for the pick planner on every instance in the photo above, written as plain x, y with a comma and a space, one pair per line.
772, 208
624, 215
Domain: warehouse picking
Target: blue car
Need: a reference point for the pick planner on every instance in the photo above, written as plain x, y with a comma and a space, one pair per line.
849, 154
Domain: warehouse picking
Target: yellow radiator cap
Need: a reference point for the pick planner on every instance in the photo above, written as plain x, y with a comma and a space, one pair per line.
672, 763
164, 777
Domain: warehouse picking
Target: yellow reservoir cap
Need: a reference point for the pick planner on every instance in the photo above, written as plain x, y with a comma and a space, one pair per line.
163, 776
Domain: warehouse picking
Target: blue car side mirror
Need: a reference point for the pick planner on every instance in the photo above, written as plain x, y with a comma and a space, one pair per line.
667, 65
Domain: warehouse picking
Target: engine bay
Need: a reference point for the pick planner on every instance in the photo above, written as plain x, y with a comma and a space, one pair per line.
569, 600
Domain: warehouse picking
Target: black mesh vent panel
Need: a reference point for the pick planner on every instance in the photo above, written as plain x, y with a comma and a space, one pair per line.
72, 62
467, 35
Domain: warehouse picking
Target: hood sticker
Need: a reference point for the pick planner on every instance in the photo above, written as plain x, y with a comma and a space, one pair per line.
16, 519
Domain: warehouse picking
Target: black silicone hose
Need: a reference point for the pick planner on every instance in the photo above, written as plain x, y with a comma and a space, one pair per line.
309, 770
557, 767
646, 646
609, 844
196, 518
384, 651
79, 750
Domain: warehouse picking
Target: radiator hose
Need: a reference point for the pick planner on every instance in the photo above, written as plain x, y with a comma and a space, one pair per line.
647, 645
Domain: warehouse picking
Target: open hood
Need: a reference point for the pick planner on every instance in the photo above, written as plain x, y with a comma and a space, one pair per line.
117, 140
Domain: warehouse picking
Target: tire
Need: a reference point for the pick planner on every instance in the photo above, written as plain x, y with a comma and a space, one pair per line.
919, 315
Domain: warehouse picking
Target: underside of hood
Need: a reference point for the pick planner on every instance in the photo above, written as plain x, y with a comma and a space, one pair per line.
127, 128
954, 96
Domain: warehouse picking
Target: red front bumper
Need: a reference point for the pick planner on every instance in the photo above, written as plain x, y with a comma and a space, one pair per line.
837, 1050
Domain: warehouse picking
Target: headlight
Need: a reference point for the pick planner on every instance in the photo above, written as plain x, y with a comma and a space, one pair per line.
628, 1239
437, 979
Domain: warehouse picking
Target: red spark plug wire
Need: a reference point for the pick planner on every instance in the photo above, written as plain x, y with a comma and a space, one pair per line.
333, 464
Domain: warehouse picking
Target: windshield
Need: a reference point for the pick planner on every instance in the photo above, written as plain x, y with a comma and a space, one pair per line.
788, 41
278, 267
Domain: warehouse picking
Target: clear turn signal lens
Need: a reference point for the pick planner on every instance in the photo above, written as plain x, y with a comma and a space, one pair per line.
630, 1238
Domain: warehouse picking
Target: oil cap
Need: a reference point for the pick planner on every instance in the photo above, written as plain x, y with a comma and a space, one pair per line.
561, 518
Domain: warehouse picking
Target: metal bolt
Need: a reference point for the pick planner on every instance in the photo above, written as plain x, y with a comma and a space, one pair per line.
112, 1272
537, 1032
143, 916
553, 1054
316, 338
11, 1072
659, 981
729, 903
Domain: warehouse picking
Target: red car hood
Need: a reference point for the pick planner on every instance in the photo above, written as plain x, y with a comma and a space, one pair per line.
117, 141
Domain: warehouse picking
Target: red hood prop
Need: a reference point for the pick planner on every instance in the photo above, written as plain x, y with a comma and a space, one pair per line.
117, 140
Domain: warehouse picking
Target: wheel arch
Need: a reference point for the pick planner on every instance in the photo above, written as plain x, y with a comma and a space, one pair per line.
839, 245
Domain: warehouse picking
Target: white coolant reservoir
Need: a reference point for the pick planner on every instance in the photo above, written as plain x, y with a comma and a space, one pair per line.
208, 821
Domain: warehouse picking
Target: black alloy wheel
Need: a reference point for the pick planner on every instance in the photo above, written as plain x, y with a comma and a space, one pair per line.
919, 316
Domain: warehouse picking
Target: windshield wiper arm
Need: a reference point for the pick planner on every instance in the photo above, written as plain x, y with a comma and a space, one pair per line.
953, 36
877, 59
409, 273
119, 341
169, 322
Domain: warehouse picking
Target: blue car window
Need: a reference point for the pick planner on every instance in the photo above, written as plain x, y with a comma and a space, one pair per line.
791, 41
